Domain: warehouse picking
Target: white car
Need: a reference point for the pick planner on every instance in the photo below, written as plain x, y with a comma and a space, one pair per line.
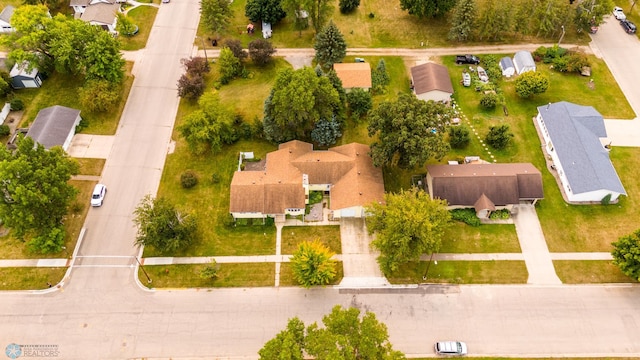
618, 14
97, 197
451, 348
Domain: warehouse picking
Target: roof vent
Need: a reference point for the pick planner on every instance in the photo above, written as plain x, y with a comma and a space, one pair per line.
358, 172
361, 193
357, 153
279, 181
549, 104
318, 160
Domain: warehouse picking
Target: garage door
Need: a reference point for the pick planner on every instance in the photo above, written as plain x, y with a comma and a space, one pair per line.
348, 213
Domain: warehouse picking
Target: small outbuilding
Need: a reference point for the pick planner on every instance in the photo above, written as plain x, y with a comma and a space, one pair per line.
266, 30
431, 82
507, 67
5, 19
523, 62
22, 77
55, 126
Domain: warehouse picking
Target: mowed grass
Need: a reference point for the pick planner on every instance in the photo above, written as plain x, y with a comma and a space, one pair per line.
30, 278
13, 248
462, 272
494, 238
143, 16
287, 278
89, 166
293, 236
589, 272
229, 275
62, 89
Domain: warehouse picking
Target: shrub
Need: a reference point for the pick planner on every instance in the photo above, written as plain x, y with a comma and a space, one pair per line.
16, 105
261, 51
5, 130
188, 179
540, 53
561, 64
347, 6
606, 199
576, 61
210, 272
196, 65
502, 214
489, 100
5, 88
191, 86
531, 83
236, 47
215, 178
315, 197
459, 137
498, 137
99, 95
467, 216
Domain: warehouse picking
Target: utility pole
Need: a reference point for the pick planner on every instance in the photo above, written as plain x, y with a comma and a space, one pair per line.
143, 270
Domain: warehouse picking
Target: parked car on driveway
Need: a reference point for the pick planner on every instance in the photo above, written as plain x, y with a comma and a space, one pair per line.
97, 197
628, 26
467, 59
618, 13
451, 348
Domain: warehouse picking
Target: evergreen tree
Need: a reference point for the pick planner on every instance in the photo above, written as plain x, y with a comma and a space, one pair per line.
330, 46
463, 20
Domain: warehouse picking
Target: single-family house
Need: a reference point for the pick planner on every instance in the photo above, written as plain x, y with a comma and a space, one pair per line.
22, 77
523, 62
354, 75
507, 67
431, 82
102, 14
79, 6
573, 137
485, 187
55, 126
281, 187
5, 19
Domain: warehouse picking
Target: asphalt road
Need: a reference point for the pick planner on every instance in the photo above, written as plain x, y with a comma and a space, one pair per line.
101, 313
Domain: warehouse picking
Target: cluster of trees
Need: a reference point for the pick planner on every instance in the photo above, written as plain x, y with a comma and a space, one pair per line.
232, 57
191, 84
346, 335
495, 19
272, 11
408, 225
215, 15
35, 193
69, 46
563, 60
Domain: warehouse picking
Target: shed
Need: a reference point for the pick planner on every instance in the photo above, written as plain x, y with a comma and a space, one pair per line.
5, 19
523, 62
507, 67
266, 30
22, 77
431, 82
354, 75
55, 126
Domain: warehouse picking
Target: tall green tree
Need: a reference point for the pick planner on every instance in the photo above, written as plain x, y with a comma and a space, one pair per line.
287, 345
125, 25
531, 83
35, 192
215, 14
298, 100
162, 226
550, 15
347, 335
463, 20
626, 255
591, 13
360, 102
319, 12
229, 65
499, 136
264, 10
312, 264
330, 46
380, 78
408, 225
209, 127
409, 131
427, 8
296, 12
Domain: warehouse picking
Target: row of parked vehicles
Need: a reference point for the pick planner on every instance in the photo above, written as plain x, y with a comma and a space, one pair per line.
627, 25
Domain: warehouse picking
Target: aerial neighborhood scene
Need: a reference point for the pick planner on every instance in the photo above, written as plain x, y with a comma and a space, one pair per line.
319, 179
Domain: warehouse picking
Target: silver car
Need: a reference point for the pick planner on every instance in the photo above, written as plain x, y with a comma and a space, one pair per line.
451, 348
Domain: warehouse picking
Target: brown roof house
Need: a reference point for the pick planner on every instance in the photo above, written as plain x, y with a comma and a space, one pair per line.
354, 75
55, 126
282, 186
431, 82
485, 187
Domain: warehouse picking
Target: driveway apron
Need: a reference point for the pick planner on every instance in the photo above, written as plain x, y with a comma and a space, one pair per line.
358, 259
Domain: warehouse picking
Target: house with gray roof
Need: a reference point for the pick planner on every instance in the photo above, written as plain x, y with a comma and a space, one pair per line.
5, 19
483, 186
24, 75
573, 137
103, 15
55, 126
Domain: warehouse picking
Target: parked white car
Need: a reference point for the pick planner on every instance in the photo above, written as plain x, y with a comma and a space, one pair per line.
97, 197
451, 348
618, 14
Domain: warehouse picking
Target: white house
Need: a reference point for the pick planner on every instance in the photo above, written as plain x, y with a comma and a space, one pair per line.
507, 67
523, 62
55, 126
431, 82
5, 19
572, 136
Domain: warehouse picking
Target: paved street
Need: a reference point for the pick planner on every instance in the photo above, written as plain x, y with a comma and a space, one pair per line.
101, 311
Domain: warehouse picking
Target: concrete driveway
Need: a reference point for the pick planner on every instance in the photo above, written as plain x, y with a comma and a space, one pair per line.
358, 259
90, 146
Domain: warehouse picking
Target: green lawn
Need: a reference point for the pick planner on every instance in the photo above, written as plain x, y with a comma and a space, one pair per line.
229, 275
292, 236
90, 166
589, 272
287, 279
24, 278
143, 16
462, 272
495, 238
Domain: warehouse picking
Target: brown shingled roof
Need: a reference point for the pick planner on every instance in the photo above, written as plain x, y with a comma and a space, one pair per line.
430, 76
354, 75
502, 184
348, 169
